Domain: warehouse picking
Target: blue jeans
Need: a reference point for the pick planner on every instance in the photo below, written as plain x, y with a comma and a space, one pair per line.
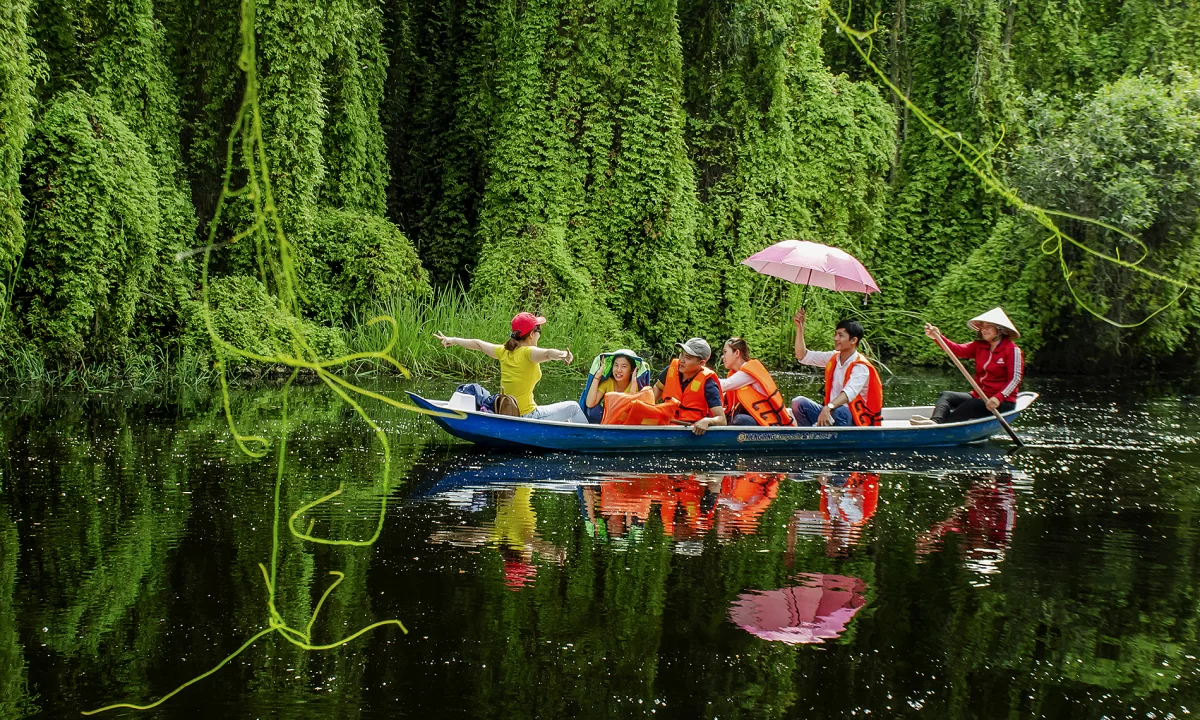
565, 411
807, 412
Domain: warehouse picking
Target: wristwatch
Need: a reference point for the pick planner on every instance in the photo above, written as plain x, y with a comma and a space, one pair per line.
829, 407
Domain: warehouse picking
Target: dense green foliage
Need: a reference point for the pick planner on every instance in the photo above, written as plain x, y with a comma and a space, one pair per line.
93, 229
1127, 157
16, 115
599, 159
783, 150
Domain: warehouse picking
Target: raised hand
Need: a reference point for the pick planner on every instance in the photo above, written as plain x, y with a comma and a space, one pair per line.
446, 341
799, 318
932, 332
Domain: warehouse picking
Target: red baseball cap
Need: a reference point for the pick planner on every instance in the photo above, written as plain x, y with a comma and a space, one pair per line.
524, 323
519, 574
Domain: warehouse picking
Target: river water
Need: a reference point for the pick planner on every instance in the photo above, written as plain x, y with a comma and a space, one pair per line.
1060, 581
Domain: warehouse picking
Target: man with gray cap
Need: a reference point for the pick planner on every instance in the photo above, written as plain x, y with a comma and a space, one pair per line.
694, 385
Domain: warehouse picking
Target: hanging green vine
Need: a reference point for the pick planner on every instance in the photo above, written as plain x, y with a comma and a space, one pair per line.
277, 272
979, 160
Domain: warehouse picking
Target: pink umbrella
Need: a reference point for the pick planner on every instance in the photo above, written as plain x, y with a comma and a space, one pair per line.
811, 613
808, 263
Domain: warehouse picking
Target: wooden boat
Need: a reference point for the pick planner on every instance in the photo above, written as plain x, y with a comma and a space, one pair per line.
501, 431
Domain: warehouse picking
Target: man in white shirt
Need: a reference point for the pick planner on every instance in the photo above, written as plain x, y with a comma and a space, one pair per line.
840, 390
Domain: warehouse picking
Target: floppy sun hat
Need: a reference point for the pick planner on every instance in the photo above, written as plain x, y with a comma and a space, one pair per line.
997, 317
525, 323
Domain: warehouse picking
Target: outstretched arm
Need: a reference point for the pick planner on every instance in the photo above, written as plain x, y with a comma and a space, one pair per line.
541, 355
801, 349
469, 343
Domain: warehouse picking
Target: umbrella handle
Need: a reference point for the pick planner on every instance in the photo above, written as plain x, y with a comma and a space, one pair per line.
804, 295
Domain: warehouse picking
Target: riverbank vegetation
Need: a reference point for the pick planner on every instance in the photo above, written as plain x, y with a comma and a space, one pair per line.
606, 163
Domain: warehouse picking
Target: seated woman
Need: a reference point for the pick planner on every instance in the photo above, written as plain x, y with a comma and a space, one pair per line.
520, 359
614, 374
751, 397
999, 369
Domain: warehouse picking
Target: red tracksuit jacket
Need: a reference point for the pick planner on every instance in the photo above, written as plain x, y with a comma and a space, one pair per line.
998, 372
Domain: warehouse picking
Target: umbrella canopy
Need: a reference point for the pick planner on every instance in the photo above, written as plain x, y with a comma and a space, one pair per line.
809, 263
811, 613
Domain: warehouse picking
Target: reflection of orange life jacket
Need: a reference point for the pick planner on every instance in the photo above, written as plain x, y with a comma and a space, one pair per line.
674, 494
639, 409
765, 409
692, 405
867, 407
858, 485
753, 494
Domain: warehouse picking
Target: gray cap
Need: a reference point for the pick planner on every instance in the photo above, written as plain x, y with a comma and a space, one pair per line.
696, 346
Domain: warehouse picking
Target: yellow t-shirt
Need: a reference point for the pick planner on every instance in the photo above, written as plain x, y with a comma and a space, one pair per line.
516, 522
518, 375
609, 385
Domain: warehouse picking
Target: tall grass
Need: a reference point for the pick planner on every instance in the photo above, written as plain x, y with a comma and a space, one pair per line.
449, 310
153, 367
452, 311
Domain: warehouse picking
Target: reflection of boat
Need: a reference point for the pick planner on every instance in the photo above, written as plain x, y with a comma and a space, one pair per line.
895, 433
464, 470
814, 612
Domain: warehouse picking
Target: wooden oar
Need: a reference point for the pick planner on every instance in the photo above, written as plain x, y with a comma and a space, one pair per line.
941, 341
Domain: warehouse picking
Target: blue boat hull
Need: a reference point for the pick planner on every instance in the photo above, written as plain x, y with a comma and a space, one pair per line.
500, 431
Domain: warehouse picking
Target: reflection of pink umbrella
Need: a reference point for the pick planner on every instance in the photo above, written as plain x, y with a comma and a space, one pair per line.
808, 263
814, 612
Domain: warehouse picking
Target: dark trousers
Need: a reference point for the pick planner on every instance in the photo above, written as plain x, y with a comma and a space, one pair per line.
954, 407
741, 418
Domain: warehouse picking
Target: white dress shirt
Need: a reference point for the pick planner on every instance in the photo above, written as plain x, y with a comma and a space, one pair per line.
858, 376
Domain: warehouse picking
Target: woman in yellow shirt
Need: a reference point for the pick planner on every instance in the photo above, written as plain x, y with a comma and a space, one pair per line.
520, 359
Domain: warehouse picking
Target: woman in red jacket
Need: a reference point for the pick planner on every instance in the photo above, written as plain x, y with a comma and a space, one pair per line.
999, 369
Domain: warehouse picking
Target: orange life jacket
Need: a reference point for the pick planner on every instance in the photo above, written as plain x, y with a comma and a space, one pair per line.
692, 405
867, 407
625, 409
765, 409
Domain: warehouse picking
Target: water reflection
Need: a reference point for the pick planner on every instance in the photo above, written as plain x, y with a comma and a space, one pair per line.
848, 500
983, 523
615, 511
687, 506
1055, 583
513, 531
810, 613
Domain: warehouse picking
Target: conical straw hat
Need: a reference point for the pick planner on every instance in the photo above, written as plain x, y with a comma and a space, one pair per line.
994, 316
